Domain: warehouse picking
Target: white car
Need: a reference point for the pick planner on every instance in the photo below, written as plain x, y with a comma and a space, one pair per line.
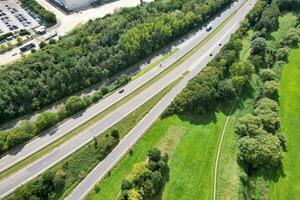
209, 27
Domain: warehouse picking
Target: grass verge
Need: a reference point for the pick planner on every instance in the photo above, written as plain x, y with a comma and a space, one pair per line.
190, 143
151, 66
80, 163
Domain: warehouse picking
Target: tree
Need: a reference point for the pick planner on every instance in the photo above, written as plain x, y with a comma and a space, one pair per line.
270, 90
242, 68
269, 18
19, 40
104, 90
134, 195
42, 45
258, 61
291, 38
74, 104
59, 180
267, 75
238, 82
282, 54
115, 134
263, 150
154, 154
226, 90
46, 120
267, 109
258, 46
249, 125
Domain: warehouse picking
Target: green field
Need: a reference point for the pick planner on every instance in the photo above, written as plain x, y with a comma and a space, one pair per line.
286, 21
288, 186
191, 145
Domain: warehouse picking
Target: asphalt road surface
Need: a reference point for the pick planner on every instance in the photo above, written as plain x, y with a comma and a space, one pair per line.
195, 64
52, 135
137, 132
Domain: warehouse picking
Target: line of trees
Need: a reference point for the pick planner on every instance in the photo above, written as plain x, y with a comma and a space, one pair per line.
52, 184
221, 80
44, 14
10, 139
96, 51
147, 178
261, 144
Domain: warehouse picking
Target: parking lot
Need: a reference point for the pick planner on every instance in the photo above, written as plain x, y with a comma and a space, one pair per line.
14, 17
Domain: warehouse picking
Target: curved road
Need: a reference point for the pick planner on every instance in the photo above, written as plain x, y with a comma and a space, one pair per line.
52, 135
195, 64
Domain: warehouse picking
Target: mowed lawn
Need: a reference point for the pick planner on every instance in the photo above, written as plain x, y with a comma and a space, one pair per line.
191, 147
288, 187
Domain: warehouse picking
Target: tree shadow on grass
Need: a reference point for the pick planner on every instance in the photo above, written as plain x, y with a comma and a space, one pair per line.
165, 180
198, 119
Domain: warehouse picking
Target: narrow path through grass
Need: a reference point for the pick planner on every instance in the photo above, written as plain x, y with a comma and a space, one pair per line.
216, 165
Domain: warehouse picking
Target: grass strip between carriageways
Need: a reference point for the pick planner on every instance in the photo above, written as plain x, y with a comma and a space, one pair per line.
92, 121
151, 66
124, 126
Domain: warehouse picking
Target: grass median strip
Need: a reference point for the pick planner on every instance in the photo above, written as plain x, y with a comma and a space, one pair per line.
151, 66
81, 128
80, 163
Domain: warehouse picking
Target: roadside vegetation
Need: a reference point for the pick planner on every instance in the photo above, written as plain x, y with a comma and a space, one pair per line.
248, 69
70, 171
48, 17
262, 144
96, 51
27, 130
147, 178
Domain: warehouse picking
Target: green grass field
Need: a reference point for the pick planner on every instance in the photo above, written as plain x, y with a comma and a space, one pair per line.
286, 21
288, 187
191, 145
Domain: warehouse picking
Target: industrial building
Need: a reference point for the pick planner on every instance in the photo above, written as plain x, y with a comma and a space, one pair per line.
74, 5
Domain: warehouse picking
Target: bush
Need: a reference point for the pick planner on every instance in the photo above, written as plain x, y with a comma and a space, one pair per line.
282, 54
267, 75
291, 38
226, 90
115, 134
270, 89
104, 90
46, 15
74, 104
46, 120
146, 180
261, 151
259, 46
267, 109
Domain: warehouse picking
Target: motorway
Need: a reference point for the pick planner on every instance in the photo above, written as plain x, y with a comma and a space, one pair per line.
194, 63
99, 172
52, 135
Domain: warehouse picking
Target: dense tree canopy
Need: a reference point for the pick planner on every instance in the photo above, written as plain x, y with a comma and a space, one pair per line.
146, 179
96, 51
262, 150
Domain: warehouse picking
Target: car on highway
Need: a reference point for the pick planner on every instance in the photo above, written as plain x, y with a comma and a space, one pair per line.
121, 91
209, 27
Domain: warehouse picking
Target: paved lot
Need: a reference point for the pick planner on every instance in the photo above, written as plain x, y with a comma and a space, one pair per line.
14, 17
